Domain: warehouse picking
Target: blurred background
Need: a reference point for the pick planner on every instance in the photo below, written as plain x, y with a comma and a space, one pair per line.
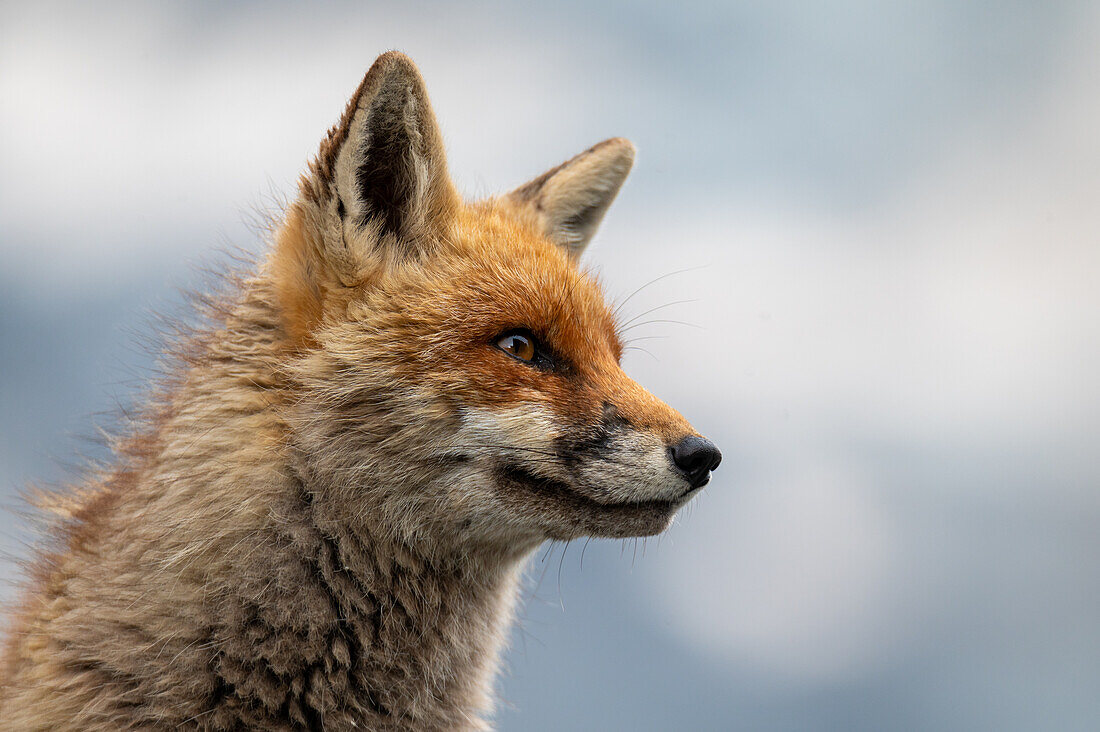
885, 216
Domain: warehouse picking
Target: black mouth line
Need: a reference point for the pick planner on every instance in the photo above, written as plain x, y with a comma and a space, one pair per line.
561, 490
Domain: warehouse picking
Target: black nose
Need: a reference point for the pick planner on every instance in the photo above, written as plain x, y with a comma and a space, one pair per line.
696, 457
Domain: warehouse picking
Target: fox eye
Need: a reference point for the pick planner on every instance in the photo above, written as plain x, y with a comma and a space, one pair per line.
521, 344
518, 344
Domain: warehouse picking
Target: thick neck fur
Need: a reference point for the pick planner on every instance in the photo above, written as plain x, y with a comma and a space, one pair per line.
219, 579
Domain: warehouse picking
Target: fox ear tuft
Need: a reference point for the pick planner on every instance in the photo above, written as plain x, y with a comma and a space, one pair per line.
569, 201
381, 176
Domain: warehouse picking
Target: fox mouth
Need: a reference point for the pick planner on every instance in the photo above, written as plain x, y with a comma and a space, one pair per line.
584, 514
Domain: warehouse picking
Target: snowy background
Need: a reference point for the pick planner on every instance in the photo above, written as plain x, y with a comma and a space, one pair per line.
890, 218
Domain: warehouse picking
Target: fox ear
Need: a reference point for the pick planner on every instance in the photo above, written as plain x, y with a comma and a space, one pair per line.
569, 201
381, 178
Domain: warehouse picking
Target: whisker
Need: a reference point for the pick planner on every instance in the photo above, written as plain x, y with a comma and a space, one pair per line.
651, 322
643, 350
586, 541
647, 338
659, 307
561, 598
654, 281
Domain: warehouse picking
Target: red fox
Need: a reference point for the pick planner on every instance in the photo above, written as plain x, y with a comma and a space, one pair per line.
321, 519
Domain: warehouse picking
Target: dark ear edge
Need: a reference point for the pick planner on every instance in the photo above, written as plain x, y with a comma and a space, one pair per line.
570, 200
382, 171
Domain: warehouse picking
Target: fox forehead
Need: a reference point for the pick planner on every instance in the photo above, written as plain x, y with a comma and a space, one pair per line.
492, 273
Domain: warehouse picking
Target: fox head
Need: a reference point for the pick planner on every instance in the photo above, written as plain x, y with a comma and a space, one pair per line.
455, 373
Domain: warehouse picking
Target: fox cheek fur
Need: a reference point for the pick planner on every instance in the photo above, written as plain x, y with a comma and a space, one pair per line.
322, 518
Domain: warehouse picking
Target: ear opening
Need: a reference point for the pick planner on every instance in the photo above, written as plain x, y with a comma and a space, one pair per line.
569, 201
380, 179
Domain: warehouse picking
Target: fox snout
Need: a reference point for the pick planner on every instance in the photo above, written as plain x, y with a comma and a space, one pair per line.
696, 458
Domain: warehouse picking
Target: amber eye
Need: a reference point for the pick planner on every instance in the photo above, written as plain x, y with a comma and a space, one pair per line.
520, 345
